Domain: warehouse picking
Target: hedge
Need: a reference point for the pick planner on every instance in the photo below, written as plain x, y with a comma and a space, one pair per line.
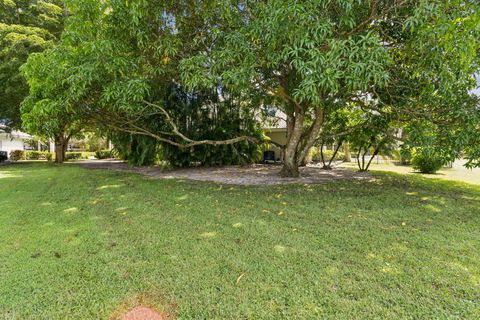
78, 155
104, 154
16, 155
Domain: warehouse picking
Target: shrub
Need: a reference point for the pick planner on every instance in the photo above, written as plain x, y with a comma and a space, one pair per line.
38, 155
426, 161
3, 156
73, 155
87, 155
34, 155
103, 154
16, 155
403, 155
78, 155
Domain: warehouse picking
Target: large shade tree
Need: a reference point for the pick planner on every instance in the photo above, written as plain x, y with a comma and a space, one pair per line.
26, 27
402, 59
407, 58
116, 71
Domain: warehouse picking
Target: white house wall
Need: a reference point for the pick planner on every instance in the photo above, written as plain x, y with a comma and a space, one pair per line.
7, 144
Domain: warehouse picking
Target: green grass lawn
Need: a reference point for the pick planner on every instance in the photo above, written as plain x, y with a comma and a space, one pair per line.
458, 172
79, 244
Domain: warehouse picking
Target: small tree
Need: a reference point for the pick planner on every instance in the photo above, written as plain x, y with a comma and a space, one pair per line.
47, 111
337, 128
375, 136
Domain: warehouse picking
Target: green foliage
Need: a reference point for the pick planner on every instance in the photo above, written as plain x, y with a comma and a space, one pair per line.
103, 154
3, 156
327, 154
376, 135
46, 110
137, 150
26, 27
17, 155
94, 142
33, 155
431, 145
226, 120
38, 155
405, 154
79, 155
401, 60
199, 116
73, 155
427, 160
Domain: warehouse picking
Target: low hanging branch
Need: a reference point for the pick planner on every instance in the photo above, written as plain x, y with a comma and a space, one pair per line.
131, 126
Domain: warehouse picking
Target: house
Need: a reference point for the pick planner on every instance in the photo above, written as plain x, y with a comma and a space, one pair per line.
14, 140
276, 130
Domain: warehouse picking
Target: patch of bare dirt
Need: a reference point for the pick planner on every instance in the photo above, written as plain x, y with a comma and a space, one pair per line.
145, 306
143, 313
256, 174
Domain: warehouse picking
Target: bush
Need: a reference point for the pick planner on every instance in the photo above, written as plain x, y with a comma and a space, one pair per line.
34, 155
16, 155
38, 155
73, 155
88, 155
426, 162
403, 155
3, 156
103, 154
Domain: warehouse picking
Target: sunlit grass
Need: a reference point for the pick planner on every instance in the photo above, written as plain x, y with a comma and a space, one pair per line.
79, 244
457, 173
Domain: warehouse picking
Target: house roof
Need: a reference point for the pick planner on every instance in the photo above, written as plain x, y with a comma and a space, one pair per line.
14, 133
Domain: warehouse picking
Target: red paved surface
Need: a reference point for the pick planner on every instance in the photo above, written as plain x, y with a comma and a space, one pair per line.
143, 313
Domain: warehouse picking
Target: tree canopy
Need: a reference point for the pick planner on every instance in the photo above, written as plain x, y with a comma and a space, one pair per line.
401, 61
26, 26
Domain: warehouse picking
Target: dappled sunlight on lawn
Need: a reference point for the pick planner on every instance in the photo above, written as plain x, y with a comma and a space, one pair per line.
7, 174
433, 208
399, 238
457, 173
208, 235
110, 186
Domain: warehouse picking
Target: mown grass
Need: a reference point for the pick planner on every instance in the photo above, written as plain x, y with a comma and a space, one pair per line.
457, 173
79, 244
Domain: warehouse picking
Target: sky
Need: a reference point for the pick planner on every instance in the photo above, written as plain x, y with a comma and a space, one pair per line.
477, 91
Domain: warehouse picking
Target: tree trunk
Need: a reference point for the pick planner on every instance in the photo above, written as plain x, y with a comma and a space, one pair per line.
375, 153
61, 144
311, 137
290, 167
329, 166
294, 135
348, 158
299, 142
